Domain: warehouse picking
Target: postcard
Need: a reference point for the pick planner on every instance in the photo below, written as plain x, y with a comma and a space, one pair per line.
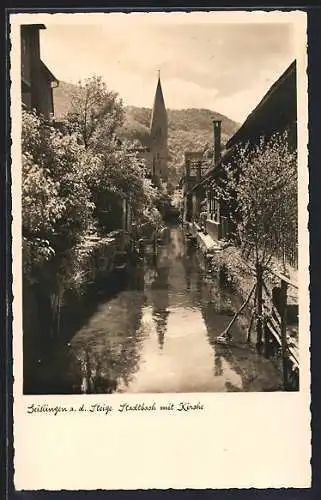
160, 250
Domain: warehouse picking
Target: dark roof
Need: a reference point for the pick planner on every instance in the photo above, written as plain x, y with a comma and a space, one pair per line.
37, 26
48, 73
279, 100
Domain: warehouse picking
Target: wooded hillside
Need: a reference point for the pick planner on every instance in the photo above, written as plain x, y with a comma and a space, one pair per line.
189, 129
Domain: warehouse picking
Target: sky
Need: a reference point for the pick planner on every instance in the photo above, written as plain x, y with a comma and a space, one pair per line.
205, 61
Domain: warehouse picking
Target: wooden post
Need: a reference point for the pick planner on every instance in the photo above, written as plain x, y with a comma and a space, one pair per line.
259, 303
267, 339
284, 287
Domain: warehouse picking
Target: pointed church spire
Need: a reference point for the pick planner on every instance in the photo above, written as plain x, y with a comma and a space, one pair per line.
159, 109
158, 133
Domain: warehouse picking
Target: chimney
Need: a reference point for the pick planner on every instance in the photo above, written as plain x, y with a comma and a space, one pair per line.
217, 140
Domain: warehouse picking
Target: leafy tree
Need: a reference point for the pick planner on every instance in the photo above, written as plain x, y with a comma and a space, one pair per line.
56, 206
262, 187
163, 202
265, 185
112, 168
95, 113
114, 175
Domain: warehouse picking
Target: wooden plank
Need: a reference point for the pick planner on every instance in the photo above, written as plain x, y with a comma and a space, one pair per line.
284, 278
273, 330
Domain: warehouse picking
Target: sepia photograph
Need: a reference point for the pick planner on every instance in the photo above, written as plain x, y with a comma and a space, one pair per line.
160, 250
159, 198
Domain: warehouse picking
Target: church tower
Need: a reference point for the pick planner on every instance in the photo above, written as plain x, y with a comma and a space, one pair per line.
159, 135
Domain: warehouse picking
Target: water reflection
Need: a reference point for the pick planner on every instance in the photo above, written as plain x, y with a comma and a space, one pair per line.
254, 372
158, 334
108, 346
159, 298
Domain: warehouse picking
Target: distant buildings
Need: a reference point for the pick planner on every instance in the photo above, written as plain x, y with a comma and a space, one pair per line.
37, 81
195, 168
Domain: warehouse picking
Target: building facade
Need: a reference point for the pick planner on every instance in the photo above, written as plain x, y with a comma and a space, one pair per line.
37, 81
194, 171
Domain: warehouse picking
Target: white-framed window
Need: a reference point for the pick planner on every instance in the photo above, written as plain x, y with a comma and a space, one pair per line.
213, 205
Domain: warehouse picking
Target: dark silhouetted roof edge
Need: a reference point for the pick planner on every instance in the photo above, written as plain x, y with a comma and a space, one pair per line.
48, 72
274, 88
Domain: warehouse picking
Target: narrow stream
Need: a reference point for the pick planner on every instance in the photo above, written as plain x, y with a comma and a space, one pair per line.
158, 334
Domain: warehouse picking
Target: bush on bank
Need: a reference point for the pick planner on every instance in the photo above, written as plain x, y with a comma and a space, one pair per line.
57, 210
